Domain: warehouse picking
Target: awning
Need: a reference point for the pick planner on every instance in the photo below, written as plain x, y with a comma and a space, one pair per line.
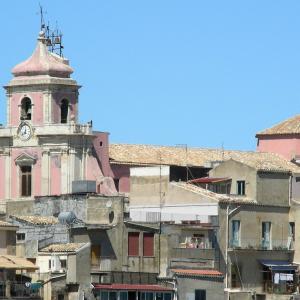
278, 265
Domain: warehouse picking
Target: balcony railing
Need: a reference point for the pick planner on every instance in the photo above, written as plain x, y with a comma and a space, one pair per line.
17, 290
256, 244
284, 287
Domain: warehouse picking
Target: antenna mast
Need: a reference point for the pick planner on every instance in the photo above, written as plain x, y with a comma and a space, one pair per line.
53, 37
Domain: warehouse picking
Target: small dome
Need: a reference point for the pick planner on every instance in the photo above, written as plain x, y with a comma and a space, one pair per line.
43, 62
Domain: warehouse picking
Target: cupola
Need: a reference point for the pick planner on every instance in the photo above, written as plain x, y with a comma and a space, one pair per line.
43, 62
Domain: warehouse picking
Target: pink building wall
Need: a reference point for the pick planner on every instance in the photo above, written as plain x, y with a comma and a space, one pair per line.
58, 97
2, 177
36, 171
55, 174
287, 146
101, 145
37, 110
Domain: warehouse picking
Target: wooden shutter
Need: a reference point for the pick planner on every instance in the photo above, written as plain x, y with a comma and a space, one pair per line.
133, 243
148, 244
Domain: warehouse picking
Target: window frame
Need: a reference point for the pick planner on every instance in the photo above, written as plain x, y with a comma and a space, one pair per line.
241, 187
25, 181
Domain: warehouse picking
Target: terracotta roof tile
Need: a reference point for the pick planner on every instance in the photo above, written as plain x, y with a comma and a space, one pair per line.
201, 272
289, 126
200, 157
6, 224
68, 247
37, 220
214, 196
16, 263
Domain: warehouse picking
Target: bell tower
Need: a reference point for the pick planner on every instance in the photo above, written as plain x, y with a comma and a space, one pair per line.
43, 148
42, 92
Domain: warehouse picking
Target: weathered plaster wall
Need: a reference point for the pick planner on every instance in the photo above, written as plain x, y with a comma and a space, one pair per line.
237, 171
187, 286
273, 188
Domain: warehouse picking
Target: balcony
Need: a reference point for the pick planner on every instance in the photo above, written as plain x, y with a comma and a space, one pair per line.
284, 287
256, 244
17, 290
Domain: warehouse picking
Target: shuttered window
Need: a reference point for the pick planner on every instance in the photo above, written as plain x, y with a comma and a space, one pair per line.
148, 244
133, 243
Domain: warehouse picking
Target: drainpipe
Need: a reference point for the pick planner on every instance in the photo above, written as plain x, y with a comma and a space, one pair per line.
228, 213
290, 188
226, 251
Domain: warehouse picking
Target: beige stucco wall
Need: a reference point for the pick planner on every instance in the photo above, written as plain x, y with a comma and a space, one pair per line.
237, 171
247, 258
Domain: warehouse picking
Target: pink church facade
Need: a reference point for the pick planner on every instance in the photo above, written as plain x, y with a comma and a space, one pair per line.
43, 149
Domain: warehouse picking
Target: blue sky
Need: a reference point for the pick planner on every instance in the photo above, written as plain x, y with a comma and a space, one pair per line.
201, 73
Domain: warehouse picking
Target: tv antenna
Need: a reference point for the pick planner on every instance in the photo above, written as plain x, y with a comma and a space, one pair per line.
53, 37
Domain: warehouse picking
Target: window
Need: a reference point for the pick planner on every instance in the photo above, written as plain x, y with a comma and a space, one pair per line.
20, 236
148, 244
95, 255
49, 264
133, 243
168, 296
147, 296
104, 295
236, 241
63, 263
292, 231
26, 107
117, 183
200, 294
25, 181
297, 179
60, 297
266, 235
241, 187
123, 296
112, 295
64, 109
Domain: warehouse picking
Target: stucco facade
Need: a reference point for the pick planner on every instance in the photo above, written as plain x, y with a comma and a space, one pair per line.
43, 148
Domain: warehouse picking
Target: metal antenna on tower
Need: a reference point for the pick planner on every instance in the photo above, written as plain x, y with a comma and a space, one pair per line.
42, 20
53, 37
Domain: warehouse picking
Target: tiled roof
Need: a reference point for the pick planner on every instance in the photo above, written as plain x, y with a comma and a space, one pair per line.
68, 247
37, 220
201, 272
289, 126
200, 157
16, 263
214, 196
132, 287
6, 224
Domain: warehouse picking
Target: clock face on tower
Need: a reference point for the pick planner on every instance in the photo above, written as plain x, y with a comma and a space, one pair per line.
24, 131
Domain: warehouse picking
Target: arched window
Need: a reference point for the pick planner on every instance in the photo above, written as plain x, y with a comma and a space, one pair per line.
64, 109
26, 109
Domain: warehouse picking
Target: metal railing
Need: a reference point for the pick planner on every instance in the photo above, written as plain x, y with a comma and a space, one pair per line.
17, 290
256, 244
284, 287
